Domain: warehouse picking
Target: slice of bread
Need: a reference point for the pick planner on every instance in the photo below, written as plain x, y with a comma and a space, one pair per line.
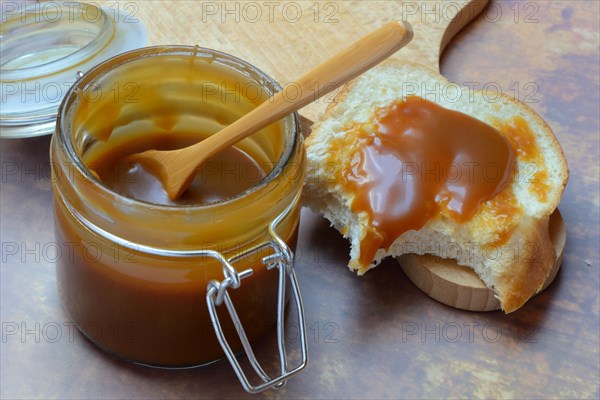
510, 250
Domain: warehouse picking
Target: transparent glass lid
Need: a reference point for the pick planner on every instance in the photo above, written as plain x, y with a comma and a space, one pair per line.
43, 46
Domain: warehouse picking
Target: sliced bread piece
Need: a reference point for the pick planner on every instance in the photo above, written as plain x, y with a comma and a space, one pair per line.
505, 240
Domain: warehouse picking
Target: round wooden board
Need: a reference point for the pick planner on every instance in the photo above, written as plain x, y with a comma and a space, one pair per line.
457, 286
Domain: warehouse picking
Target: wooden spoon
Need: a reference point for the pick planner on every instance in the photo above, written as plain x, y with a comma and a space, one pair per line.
176, 168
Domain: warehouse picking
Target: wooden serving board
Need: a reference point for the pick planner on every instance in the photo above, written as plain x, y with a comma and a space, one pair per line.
286, 39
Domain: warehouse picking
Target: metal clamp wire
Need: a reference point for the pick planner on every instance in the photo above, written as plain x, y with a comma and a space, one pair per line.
283, 259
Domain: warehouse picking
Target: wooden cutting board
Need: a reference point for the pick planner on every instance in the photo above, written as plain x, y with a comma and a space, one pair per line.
286, 39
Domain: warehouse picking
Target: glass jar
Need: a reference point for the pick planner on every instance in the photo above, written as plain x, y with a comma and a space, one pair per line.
144, 281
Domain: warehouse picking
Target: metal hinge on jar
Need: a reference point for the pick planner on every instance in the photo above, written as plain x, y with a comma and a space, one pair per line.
282, 259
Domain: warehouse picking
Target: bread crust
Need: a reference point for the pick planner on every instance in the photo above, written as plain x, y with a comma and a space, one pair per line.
530, 266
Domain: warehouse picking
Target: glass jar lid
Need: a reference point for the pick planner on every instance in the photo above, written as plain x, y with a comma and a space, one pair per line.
43, 47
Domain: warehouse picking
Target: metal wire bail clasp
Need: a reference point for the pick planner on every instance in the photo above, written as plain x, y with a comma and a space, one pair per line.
282, 259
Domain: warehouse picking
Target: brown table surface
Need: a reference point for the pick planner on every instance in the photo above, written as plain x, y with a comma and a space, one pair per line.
376, 336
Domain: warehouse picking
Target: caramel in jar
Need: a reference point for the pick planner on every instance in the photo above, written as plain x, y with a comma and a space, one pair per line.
136, 282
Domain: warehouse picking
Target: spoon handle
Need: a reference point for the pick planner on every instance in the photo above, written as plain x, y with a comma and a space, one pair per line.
339, 69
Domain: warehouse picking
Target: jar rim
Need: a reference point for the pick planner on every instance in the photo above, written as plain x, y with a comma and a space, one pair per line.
63, 124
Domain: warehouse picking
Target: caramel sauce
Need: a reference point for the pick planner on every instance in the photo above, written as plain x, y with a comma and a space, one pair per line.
223, 176
134, 111
523, 141
502, 212
418, 160
521, 138
539, 185
152, 310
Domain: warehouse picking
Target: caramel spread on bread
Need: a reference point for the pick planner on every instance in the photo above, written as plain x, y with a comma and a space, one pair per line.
418, 159
405, 162
523, 141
